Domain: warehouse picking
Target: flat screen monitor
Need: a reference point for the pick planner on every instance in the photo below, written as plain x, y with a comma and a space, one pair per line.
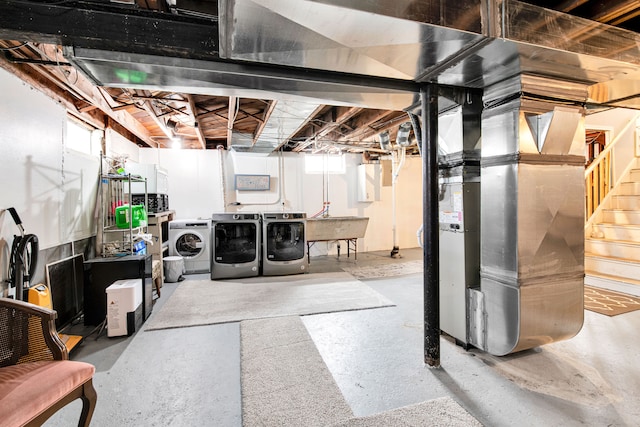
66, 284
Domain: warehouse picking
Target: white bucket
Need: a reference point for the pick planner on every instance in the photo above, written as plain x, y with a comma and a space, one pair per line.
173, 268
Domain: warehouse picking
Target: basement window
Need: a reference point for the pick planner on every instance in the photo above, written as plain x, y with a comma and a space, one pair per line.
82, 138
324, 164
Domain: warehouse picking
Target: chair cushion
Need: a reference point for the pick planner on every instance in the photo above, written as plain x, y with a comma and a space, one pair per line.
29, 388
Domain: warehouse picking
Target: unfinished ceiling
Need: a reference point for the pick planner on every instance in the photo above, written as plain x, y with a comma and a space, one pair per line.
305, 76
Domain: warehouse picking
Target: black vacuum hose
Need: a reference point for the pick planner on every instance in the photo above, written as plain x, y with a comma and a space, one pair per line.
23, 263
23, 260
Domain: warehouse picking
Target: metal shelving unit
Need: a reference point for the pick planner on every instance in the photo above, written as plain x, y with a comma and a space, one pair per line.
115, 191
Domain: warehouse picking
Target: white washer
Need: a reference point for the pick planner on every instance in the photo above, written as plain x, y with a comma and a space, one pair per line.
191, 239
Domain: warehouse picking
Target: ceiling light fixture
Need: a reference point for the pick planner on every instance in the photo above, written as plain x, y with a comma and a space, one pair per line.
172, 124
175, 143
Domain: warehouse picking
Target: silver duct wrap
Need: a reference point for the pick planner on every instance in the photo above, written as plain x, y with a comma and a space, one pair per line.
532, 225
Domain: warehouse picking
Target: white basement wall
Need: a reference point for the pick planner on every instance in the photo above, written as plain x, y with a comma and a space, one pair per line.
196, 180
52, 188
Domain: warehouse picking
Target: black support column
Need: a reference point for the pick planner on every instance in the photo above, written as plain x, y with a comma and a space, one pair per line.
429, 105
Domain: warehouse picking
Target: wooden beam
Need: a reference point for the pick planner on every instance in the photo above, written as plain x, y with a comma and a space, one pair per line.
86, 90
330, 126
42, 84
625, 18
267, 113
196, 122
215, 112
250, 116
611, 10
150, 109
569, 5
87, 108
159, 98
124, 107
362, 125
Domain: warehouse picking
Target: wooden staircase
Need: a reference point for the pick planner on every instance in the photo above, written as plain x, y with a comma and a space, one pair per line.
612, 245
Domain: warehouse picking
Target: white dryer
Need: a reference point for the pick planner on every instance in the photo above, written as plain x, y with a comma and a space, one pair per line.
191, 239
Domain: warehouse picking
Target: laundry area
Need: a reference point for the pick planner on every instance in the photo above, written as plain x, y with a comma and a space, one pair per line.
193, 375
326, 213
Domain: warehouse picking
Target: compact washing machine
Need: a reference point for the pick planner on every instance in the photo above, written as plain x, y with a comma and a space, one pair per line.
235, 245
191, 239
283, 243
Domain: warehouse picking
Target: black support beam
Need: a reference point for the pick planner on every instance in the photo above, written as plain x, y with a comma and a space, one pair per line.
91, 25
431, 250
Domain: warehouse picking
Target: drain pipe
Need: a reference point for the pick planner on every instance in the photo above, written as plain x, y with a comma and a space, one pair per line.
325, 184
223, 185
417, 131
397, 165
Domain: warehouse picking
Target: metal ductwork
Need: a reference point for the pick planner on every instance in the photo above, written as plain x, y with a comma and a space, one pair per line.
467, 43
152, 72
285, 119
370, 54
532, 224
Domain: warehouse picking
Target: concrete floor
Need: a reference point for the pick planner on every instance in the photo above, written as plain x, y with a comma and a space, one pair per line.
191, 376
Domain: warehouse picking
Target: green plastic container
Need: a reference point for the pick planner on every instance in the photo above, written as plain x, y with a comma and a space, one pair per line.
137, 212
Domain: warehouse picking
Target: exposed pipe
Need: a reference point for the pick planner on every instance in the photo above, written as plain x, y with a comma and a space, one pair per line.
220, 149
15, 60
417, 130
396, 165
395, 251
281, 178
431, 270
325, 185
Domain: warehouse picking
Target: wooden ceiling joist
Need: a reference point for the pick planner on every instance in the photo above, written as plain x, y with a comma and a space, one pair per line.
569, 5
196, 122
614, 9
50, 81
362, 125
151, 110
267, 113
628, 17
330, 125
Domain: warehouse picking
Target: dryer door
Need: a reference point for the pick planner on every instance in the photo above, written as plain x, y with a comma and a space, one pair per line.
235, 243
284, 241
190, 245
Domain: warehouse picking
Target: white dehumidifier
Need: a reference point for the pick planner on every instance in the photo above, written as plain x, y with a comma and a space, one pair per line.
124, 307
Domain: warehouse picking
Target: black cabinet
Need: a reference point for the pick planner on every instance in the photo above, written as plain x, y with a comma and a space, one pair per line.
100, 273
